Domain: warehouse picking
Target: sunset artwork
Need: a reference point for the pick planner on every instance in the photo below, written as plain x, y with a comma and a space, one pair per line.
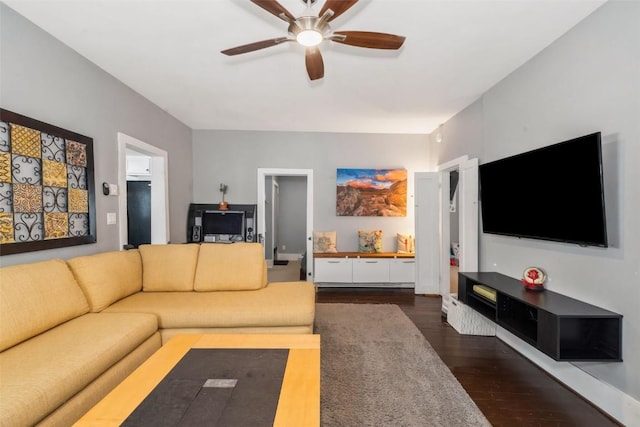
371, 192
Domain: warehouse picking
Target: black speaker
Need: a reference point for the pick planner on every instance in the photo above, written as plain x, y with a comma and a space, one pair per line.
249, 235
195, 236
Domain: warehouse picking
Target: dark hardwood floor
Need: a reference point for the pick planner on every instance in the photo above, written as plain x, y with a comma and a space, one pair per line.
508, 389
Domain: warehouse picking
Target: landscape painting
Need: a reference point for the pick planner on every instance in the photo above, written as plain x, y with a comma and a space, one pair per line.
371, 192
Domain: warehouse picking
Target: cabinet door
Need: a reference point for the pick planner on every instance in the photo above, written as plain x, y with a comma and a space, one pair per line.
402, 270
371, 270
138, 165
336, 270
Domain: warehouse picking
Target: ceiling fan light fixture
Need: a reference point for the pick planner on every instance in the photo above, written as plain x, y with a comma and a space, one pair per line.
309, 30
309, 38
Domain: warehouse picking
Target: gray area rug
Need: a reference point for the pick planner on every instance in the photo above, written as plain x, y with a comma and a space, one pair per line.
377, 369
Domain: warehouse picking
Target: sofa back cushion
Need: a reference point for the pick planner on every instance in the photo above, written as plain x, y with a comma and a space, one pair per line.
230, 267
108, 277
168, 267
37, 297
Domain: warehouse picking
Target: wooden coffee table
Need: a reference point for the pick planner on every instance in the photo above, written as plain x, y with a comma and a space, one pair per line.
299, 401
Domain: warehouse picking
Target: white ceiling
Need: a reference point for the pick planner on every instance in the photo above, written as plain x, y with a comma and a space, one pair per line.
169, 51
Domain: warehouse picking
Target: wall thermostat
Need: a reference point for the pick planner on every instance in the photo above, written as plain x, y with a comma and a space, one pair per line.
109, 189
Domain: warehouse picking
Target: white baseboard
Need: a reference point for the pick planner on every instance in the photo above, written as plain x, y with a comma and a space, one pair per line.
289, 257
619, 405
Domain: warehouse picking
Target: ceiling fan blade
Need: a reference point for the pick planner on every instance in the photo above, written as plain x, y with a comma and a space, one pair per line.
368, 39
275, 8
255, 46
338, 6
315, 64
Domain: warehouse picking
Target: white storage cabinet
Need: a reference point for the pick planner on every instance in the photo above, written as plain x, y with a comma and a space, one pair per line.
402, 270
352, 269
333, 270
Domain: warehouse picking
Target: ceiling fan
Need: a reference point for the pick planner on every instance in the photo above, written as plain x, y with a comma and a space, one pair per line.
310, 30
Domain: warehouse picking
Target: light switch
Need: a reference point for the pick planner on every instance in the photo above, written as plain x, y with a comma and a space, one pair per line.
111, 218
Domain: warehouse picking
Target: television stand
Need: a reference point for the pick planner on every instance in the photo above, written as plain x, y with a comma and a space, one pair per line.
561, 327
200, 228
223, 238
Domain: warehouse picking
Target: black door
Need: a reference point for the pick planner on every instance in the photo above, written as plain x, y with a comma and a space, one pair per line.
138, 212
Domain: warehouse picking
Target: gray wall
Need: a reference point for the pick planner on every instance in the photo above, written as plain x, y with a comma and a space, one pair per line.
233, 157
45, 80
586, 81
293, 214
461, 135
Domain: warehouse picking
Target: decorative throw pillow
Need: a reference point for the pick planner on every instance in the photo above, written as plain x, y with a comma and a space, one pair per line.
324, 242
406, 243
370, 241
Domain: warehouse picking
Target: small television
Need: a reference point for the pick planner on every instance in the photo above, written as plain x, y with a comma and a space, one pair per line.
552, 193
226, 225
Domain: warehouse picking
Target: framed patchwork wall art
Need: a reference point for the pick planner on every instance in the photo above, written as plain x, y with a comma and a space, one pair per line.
47, 191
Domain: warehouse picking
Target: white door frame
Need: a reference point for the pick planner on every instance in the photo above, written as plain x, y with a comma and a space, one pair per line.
308, 173
159, 188
468, 218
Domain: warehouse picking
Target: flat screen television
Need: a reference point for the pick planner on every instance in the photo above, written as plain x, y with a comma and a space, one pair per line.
552, 193
218, 223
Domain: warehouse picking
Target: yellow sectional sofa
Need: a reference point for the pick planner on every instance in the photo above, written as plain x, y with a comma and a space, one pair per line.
71, 331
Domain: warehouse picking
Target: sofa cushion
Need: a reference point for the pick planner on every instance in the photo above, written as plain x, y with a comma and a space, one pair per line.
277, 304
108, 277
230, 267
168, 267
42, 373
74, 408
36, 297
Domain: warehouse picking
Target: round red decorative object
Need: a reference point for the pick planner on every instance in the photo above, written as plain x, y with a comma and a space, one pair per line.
533, 278
532, 287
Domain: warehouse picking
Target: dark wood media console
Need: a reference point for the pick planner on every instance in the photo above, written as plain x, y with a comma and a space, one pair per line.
563, 328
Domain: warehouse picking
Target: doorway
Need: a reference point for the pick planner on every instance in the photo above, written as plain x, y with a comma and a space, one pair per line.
458, 241
157, 176
272, 219
138, 213
267, 232
292, 233
454, 231
433, 226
